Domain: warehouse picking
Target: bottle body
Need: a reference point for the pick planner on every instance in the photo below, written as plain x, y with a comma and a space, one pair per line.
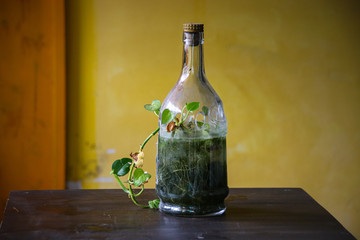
191, 175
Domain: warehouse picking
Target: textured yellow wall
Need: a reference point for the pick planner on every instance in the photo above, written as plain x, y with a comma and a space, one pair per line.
288, 73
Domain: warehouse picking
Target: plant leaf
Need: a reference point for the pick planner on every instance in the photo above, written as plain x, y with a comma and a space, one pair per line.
121, 167
140, 177
200, 124
205, 110
154, 106
157, 104
149, 107
192, 106
154, 203
170, 126
166, 116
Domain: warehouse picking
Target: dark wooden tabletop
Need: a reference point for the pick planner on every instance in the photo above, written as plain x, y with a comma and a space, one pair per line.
252, 213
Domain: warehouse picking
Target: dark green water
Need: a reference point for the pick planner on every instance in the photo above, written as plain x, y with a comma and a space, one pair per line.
191, 175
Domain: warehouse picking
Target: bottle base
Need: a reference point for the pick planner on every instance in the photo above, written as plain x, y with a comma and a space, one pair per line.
191, 211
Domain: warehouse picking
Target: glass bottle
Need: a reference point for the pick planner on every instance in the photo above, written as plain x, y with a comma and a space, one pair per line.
191, 175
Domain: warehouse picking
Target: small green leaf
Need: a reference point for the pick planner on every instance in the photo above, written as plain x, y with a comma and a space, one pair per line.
205, 110
157, 104
140, 177
121, 167
200, 124
166, 116
154, 106
149, 107
154, 203
192, 106
157, 112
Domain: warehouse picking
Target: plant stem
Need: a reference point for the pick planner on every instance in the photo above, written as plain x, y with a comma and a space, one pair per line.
181, 115
183, 120
187, 114
131, 193
138, 204
130, 173
148, 138
138, 194
121, 184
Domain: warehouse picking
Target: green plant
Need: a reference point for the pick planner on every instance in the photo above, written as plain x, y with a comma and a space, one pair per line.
137, 177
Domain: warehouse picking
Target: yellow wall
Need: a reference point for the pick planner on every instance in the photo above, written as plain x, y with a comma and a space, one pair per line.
287, 71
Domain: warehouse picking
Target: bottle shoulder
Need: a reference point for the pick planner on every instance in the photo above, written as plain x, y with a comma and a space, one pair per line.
191, 89
207, 121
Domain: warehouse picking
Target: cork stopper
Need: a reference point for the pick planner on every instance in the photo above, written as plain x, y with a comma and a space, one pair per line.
193, 27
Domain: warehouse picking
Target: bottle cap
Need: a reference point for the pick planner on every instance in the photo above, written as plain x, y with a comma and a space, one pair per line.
193, 27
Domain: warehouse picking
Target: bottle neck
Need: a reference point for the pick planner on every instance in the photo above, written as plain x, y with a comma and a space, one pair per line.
193, 54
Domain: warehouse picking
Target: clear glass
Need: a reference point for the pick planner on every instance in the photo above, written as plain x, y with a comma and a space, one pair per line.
191, 173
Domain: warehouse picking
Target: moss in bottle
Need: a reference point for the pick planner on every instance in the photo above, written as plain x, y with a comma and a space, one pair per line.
191, 175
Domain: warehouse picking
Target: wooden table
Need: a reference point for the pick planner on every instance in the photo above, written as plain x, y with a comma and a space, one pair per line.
252, 213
